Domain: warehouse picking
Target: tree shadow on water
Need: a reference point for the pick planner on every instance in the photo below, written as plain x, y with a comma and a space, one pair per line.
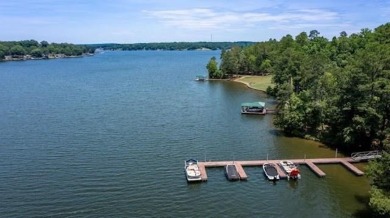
276, 132
366, 211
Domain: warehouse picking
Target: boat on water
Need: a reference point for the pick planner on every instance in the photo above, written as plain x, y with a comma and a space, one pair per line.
291, 169
231, 172
200, 78
192, 170
271, 172
253, 108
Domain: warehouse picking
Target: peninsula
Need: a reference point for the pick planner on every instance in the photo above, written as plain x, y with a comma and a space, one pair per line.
33, 50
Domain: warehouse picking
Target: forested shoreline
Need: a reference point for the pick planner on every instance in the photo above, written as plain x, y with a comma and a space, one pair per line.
170, 46
336, 91
32, 49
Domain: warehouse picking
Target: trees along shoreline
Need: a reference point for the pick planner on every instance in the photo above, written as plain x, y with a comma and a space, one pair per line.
32, 50
170, 46
336, 91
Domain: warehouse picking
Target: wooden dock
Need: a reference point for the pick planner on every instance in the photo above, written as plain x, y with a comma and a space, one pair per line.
311, 163
271, 111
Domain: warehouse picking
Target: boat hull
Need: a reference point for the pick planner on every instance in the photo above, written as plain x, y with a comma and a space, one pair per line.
271, 172
193, 179
253, 108
231, 173
254, 112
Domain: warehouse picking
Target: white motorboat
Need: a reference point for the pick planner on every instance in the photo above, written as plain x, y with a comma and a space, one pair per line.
200, 78
291, 169
192, 170
270, 171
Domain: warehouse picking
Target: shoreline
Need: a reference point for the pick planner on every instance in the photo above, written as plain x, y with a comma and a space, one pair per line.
48, 57
240, 78
248, 84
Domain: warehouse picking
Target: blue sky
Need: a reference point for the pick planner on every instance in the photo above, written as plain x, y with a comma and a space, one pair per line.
132, 21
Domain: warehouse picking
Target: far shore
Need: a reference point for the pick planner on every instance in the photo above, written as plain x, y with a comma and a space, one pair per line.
50, 56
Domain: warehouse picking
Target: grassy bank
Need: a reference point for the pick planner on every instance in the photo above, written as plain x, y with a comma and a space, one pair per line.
256, 82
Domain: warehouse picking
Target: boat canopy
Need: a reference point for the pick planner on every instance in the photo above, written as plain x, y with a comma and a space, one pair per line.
191, 161
253, 104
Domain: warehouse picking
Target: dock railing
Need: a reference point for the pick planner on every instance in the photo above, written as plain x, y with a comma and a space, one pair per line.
366, 155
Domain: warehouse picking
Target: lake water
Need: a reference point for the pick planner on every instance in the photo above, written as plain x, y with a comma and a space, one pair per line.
107, 136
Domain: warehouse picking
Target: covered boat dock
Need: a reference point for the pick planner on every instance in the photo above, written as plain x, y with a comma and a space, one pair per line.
257, 107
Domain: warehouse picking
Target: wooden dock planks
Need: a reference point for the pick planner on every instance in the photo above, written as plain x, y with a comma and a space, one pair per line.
203, 173
282, 174
352, 168
311, 163
241, 171
315, 169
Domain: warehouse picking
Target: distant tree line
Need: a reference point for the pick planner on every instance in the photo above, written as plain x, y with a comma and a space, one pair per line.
336, 91
35, 49
170, 46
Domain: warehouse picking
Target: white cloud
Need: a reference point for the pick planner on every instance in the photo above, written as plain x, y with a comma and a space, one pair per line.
308, 25
178, 20
203, 18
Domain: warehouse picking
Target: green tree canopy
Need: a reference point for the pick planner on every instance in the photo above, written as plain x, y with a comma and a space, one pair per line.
337, 91
44, 44
17, 50
379, 172
212, 68
40, 50
37, 53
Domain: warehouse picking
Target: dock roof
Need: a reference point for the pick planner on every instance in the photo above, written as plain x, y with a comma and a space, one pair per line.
253, 104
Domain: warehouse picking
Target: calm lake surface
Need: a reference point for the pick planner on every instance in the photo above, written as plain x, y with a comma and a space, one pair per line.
108, 135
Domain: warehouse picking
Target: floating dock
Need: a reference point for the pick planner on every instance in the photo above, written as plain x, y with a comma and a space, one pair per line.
311, 163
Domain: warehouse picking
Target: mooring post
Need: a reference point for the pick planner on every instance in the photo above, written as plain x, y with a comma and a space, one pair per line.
336, 153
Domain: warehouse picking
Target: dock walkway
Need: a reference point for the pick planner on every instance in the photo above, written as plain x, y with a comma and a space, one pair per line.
311, 163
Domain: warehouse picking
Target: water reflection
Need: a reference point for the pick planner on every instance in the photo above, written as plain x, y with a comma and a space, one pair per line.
293, 184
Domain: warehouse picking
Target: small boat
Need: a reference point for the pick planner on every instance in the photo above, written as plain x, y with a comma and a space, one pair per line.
231, 172
200, 78
253, 108
270, 171
192, 170
291, 169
